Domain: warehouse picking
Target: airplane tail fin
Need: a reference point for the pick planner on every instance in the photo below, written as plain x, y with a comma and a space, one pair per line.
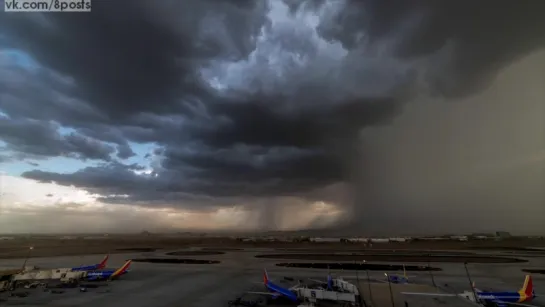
121, 270
102, 264
329, 282
329, 279
528, 286
265, 276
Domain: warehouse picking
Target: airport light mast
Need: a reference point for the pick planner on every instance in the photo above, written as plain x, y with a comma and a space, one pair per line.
368, 281
27, 256
430, 271
471, 284
390, 286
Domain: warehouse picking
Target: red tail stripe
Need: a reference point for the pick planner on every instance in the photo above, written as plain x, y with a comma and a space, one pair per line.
529, 287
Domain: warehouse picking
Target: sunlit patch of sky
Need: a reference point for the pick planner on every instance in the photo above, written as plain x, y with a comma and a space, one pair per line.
141, 150
19, 58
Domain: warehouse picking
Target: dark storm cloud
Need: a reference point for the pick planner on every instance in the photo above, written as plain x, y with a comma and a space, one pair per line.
242, 98
483, 35
110, 179
42, 139
124, 57
124, 151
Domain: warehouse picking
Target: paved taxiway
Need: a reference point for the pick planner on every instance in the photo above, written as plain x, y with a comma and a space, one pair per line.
190, 285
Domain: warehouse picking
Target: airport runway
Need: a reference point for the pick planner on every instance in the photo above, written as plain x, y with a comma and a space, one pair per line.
190, 285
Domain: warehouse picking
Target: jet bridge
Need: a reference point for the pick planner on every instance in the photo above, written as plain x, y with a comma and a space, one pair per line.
343, 291
314, 295
342, 285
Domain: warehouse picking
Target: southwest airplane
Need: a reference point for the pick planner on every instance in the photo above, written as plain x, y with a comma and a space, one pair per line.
399, 279
108, 274
501, 299
93, 267
277, 291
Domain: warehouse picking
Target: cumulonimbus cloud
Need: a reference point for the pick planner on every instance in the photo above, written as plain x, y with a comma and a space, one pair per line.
255, 100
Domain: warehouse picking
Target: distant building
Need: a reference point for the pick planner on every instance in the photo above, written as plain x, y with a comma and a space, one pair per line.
379, 240
358, 240
324, 240
503, 234
432, 238
398, 240
68, 237
483, 235
284, 239
301, 239
458, 238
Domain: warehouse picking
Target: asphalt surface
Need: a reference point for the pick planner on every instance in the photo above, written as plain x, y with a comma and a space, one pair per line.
191, 285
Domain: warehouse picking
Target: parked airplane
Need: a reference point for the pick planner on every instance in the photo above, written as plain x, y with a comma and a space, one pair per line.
108, 274
500, 299
93, 267
398, 279
277, 291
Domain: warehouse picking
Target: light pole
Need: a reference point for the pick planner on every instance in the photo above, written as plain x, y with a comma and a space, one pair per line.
27, 256
471, 283
358, 280
368, 281
390, 286
429, 270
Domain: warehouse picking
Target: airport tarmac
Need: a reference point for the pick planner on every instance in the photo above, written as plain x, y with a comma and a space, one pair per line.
195, 285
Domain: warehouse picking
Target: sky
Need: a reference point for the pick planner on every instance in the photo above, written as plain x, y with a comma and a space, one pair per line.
364, 116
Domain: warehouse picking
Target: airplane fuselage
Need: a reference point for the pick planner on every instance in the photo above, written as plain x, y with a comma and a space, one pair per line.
93, 267
283, 291
86, 268
396, 279
510, 297
94, 275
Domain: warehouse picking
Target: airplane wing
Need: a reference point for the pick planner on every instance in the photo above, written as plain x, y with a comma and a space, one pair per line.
429, 294
294, 287
499, 303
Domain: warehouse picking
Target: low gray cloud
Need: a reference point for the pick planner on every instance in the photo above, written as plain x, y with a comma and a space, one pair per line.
252, 100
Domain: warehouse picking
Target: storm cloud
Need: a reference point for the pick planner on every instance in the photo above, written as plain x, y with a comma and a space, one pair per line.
265, 104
